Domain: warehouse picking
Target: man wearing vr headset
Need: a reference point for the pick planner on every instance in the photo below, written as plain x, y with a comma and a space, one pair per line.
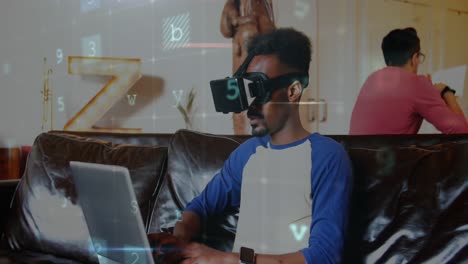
291, 188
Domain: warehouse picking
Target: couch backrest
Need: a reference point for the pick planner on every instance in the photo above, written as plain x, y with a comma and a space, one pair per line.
409, 201
46, 216
408, 204
382, 141
146, 139
193, 159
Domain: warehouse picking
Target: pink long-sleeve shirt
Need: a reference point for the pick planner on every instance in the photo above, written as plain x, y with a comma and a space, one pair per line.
395, 101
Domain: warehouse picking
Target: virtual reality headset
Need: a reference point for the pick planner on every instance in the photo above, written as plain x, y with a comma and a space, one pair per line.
235, 94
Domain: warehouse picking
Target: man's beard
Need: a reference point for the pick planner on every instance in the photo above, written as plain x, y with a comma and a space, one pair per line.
260, 128
260, 131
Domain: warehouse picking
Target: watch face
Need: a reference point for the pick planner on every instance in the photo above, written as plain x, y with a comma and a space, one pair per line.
247, 255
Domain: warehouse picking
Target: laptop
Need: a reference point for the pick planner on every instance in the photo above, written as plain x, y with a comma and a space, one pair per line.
106, 196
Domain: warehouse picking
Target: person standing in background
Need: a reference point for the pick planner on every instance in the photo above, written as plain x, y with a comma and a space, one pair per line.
395, 100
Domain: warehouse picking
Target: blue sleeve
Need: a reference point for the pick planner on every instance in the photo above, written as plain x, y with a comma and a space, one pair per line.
331, 190
223, 191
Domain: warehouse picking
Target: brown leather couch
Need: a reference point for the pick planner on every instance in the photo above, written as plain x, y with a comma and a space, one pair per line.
410, 201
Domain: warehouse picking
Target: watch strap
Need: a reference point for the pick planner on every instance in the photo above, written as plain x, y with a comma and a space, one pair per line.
246, 256
447, 89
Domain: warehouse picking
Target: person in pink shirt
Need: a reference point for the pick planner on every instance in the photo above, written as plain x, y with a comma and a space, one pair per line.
395, 100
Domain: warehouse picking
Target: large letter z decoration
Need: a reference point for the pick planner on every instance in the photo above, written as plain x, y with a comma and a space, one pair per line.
124, 71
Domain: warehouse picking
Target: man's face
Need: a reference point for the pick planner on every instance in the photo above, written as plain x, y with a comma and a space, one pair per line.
270, 117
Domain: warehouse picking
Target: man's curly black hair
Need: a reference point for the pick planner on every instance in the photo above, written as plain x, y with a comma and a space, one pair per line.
400, 45
293, 48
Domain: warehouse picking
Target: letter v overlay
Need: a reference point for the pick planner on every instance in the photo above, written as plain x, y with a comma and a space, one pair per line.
298, 235
124, 71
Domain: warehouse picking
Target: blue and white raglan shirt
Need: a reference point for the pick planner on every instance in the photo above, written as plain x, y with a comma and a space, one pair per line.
292, 197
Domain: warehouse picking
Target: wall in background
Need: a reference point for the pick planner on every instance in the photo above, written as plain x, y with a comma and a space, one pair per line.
181, 48
153, 31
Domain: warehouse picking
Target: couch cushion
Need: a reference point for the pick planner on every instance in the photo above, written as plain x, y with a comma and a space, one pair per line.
443, 181
193, 159
45, 216
403, 201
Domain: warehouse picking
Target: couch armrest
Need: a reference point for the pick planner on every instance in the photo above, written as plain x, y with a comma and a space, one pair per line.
7, 189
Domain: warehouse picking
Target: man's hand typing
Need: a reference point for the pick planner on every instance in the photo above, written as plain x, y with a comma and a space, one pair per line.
166, 248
